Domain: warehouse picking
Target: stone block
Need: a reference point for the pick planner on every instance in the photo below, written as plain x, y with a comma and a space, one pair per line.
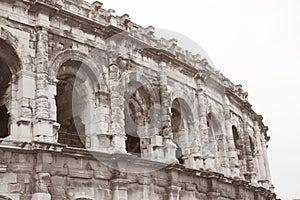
102, 175
8, 178
60, 171
43, 167
4, 187
24, 178
79, 173
58, 180
41, 196
21, 167
16, 188
156, 140
42, 129
57, 190
45, 158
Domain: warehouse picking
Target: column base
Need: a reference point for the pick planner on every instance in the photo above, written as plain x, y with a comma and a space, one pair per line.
45, 131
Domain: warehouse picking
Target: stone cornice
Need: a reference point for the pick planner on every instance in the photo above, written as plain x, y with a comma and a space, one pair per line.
245, 106
99, 23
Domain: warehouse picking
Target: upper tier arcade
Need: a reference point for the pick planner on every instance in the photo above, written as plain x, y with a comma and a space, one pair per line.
94, 101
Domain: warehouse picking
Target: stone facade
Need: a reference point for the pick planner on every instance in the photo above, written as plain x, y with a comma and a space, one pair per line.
93, 106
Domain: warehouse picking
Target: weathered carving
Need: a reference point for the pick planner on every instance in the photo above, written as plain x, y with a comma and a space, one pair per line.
91, 86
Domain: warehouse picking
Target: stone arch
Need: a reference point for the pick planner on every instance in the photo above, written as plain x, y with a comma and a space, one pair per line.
237, 139
12, 43
62, 57
77, 88
141, 79
189, 98
182, 125
214, 131
140, 98
9, 67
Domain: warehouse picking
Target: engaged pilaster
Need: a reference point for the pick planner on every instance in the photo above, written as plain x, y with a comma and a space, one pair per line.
168, 145
206, 160
119, 189
44, 126
117, 124
232, 151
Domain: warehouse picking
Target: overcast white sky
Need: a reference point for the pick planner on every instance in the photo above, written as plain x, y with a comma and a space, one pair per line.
255, 43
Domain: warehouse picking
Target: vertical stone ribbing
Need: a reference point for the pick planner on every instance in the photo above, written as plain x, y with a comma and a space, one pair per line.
44, 128
266, 161
117, 124
260, 157
173, 192
165, 117
247, 148
208, 158
41, 74
119, 189
232, 151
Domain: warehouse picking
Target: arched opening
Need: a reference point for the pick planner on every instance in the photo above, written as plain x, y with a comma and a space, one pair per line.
180, 126
214, 129
237, 141
8, 62
4, 122
133, 141
73, 102
137, 120
252, 146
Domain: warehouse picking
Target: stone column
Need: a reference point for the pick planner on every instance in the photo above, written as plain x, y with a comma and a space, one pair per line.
207, 159
165, 117
266, 161
213, 187
119, 189
260, 156
192, 157
41, 187
213, 195
232, 151
173, 192
89, 121
223, 150
100, 140
247, 148
12, 105
117, 118
52, 105
43, 126
21, 96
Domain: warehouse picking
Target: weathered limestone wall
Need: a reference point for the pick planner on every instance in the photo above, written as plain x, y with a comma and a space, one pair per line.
39, 174
51, 43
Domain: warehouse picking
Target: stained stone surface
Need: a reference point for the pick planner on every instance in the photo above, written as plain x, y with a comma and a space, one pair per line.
93, 106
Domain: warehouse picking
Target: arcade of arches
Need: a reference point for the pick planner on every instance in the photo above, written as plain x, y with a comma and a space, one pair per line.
81, 119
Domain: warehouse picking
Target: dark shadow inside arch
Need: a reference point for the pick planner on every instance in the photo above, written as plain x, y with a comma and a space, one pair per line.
9, 64
214, 129
133, 141
181, 114
237, 141
136, 108
71, 104
4, 122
